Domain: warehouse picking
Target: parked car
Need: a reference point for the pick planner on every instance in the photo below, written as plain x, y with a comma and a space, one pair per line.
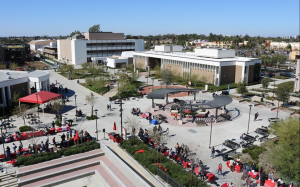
262, 74
270, 75
284, 74
292, 75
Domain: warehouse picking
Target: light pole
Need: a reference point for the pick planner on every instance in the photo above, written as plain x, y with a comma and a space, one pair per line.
274, 89
76, 108
96, 123
2, 139
152, 83
277, 107
249, 118
212, 117
121, 110
37, 101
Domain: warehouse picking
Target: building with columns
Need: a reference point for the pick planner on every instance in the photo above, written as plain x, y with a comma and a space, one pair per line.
22, 82
213, 66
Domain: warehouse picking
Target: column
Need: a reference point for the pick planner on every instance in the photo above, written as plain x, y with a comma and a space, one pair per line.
247, 74
3, 96
147, 62
38, 86
9, 95
219, 76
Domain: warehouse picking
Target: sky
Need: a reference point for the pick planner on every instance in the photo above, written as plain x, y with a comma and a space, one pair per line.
139, 17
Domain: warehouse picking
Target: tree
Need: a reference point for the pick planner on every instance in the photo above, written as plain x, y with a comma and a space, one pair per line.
95, 28
75, 32
57, 106
85, 65
69, 68
15, 98
284, 152
34, 140
21, 112
167, 77
2, 66
91, 100
13, 66
241, 87
195, 79
132, 125
283, 92
265, 83
288, 47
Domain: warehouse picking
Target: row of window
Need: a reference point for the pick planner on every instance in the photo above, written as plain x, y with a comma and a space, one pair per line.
108, 51
110, 44
190, 64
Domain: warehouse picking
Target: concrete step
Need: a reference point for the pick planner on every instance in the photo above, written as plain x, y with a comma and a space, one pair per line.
12, 181
37, 168
52, 173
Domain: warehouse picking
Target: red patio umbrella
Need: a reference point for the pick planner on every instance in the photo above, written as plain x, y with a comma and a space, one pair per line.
115, 127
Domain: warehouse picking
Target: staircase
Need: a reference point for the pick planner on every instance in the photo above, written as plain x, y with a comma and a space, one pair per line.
9, 179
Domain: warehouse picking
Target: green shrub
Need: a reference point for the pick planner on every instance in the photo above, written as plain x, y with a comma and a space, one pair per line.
24, 128
42, 157
254, 151
57, 123
91, 117
148, 158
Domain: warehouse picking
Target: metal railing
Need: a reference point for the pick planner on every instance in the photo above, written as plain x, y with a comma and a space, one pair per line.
172, 182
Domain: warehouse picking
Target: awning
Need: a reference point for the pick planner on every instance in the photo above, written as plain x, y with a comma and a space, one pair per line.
41, 98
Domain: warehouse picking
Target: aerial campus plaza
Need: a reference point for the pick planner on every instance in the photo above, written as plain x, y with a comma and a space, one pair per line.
170, 128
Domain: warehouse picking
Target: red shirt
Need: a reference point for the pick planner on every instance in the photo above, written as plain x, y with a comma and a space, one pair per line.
219, 167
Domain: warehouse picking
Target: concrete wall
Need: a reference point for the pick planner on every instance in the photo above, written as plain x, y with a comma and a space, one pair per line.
128, 172
64, 50
140, 63
176, 69
103, 36
238, 73
251, 74
216, 53
139, 45
79, 54
206, 76
227, 75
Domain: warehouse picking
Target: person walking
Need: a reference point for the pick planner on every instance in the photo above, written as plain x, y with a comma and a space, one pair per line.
175, 116
255, 116
213, 151
14, 148
107, 107
53, 124
43, 146
54, 142
70, 131
7, 153
220, 169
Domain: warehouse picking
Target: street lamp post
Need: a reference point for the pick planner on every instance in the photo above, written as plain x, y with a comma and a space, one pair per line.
121, 110
76, 108
212, 117
277, 107
37, 101
249, 119
3, 140
96, 123
152, 83
274, 89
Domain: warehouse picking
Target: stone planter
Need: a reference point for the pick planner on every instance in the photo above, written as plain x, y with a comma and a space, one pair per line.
173, 112
187, 111
203, 114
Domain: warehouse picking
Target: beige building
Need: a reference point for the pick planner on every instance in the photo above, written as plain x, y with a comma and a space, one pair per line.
96, 46
39, 44
214, 66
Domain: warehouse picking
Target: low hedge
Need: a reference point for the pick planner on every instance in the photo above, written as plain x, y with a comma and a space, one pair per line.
42, 157
147, 159
254, 151
24, 128
91, 117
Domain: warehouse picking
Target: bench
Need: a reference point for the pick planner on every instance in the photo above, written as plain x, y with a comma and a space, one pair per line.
225, 116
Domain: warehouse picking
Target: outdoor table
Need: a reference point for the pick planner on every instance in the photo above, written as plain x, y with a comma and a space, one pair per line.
221, 148
24, 150
225, 185
196, 170
70, 121
237, 168
51, 130
63, 128
36, 133
253, 174
253, 134
145, 115
154, 121
210, 177
269, 183
238, 141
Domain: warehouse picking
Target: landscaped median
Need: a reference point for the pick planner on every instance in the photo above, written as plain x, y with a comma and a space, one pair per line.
46, 156
150, 157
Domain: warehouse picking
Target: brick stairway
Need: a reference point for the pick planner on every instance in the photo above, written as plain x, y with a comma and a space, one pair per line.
9, 179
70, 168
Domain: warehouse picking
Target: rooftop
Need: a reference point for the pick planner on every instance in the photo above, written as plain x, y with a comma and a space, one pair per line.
191, 55
6, 75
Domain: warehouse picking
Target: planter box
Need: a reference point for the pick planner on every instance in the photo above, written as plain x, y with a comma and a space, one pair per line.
188, 111
203, 114
173, 112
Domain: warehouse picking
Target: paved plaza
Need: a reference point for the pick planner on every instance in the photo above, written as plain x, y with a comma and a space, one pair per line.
193, 136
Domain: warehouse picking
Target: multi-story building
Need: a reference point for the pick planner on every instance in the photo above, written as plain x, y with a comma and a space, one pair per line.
39, 44
14, 52
96, 46
214, 66
50, 50
21, 82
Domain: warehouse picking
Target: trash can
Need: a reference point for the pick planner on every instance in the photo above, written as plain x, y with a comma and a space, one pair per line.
63, 121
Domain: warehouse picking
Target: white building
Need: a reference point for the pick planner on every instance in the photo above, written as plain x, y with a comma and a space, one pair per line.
214, 66
39, 44
21, 82
95, 46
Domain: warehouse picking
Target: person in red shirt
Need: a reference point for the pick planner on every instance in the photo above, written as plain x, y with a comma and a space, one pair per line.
220, 169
